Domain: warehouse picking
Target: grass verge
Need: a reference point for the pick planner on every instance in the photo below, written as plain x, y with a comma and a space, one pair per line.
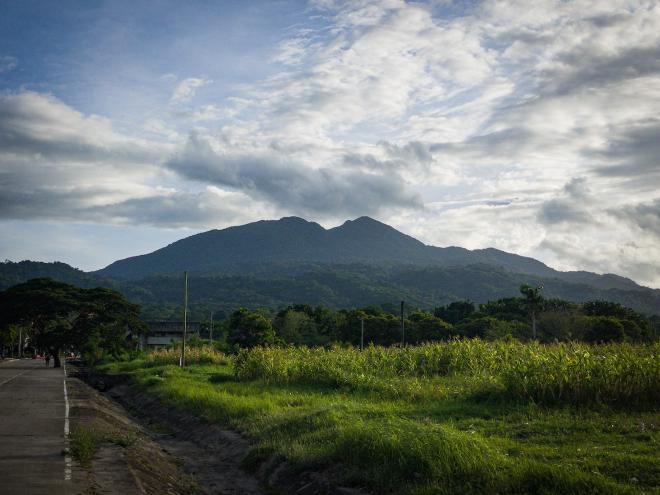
394, 429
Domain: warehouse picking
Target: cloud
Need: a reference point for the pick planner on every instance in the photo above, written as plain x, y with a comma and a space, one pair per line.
272, 176
645, 216
41, 126
7, 63
187, 88
632, 151
528, 127
205, 209
571, 206
61, 165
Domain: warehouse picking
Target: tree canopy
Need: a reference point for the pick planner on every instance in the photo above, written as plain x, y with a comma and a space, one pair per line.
60, 316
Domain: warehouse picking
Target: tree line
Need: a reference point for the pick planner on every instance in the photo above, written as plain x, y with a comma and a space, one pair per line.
55, 317
527, 317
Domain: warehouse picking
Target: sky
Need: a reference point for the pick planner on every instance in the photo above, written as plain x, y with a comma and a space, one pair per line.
531, 127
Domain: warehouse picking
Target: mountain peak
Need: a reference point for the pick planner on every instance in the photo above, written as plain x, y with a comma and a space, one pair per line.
365, 222
293, 219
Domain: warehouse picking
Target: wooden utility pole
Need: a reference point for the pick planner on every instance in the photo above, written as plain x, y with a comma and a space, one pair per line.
403, 328
20, 342
182, 360
211, 331
362, 333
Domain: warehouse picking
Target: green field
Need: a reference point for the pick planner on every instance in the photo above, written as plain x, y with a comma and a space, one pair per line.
455, 417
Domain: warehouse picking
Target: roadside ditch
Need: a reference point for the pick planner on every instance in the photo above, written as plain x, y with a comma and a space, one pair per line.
187, 453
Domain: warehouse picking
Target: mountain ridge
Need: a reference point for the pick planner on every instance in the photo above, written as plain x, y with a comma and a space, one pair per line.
272, 263
294, 239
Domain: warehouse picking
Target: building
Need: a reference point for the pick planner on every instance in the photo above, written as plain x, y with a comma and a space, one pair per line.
164, 333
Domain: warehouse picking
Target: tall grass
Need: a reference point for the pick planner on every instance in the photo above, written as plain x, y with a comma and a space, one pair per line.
194, 355
550, 374
581, 374
331, 366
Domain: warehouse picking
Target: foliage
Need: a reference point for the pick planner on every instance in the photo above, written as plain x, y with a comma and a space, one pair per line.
455, 312
605, 329
570, 373
84, 444
581, 374
60, 316
194, 355
392, 424
249, 329
278, 285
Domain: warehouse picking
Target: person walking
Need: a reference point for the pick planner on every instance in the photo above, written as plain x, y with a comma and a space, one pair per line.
47, 360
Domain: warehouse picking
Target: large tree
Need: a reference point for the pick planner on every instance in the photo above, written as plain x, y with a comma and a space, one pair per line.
61, 316
249, 329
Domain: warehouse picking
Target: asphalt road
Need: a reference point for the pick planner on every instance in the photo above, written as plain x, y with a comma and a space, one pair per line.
32, 423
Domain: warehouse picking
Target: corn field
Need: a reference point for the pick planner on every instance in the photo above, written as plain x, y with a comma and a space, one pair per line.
565, 373
194, 355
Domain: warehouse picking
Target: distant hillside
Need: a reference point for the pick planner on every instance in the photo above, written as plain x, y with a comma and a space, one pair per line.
341, 286
275, 263
242, 249
12, 273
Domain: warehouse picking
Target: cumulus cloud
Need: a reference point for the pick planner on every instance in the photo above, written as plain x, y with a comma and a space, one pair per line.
187, 88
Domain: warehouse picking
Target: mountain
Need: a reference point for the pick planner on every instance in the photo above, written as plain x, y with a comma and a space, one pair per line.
12, 273
246, 248
291, 260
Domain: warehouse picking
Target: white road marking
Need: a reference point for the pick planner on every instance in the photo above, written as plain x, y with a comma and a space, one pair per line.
15, 376
67, 455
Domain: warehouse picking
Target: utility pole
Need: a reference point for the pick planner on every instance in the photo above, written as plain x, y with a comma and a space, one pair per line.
182, 360
20, 342
211, 333
362, 333
403, 328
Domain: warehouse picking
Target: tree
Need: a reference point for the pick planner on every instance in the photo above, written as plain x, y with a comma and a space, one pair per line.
605, 329
62, 316
250, 329
455, 312
637, 327
533, 300
425, 327
296, 327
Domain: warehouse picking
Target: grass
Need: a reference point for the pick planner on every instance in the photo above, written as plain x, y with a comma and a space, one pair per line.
85, 440
83, 444
444, 419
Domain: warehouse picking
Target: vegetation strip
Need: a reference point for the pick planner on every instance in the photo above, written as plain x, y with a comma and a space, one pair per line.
431, 419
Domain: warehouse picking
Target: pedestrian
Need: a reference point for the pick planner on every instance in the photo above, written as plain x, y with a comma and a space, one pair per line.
47, 360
